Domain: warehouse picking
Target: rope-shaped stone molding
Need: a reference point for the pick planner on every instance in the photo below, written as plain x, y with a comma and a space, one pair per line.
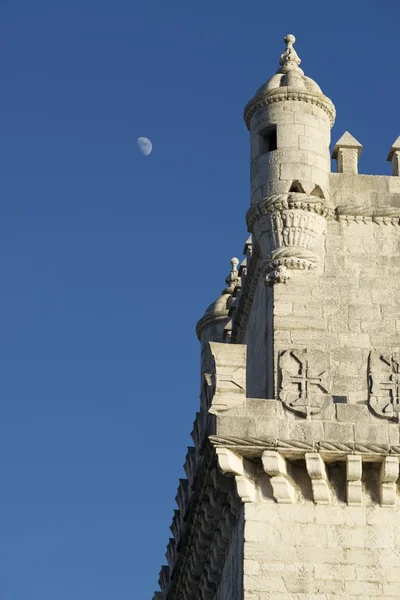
288, 201
385, 215
258, 102
300, 447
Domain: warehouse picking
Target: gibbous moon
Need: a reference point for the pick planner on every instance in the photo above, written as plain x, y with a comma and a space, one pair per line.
145, 145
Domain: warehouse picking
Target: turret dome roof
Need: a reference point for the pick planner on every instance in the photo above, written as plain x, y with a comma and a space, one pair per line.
289, 82
220, 307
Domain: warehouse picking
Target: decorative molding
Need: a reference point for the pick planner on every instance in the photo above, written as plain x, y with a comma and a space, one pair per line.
319, 480
289, 201
283, 487
282, 96
288, 228
384, 383
384, 215
252, 447
316, 455
388, 477
305, 381
353, 479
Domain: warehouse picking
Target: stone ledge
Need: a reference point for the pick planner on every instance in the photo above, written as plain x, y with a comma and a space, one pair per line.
274, 423
297, 448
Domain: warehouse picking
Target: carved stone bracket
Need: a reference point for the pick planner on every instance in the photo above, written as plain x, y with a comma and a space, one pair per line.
234, 465
353, 477
319, 479
305, 381
275, 465
388, 477
384, 383
280, 274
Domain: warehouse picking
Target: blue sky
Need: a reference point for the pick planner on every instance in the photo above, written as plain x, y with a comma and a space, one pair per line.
108, 258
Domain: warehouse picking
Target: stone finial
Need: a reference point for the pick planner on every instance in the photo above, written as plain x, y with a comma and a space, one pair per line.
394, 157
233, 277
289, 59
346, 151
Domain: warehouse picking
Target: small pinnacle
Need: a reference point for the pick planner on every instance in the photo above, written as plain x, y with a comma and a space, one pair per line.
234, 263
233, 277
289, 60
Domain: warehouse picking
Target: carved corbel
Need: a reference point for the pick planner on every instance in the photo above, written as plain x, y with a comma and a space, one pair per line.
232, 464
319, 480
388, 477
289, 229
279, 274
353, 477
283, 487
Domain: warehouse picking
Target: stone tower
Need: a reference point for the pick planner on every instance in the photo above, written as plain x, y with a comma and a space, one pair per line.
292, 483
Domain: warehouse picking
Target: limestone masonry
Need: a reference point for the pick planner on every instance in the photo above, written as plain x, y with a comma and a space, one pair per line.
292, 483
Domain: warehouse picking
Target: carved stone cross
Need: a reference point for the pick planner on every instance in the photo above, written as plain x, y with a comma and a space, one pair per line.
393, 387
384, 384
305, 381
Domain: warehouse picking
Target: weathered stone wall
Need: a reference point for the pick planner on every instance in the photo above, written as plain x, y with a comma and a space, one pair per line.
231, 585
259, 340
299, 552
350, 304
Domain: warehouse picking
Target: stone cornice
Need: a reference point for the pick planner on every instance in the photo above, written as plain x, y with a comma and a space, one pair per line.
280, 96
253, 447
383, 215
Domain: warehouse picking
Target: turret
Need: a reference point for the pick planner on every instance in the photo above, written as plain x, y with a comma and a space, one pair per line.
210, 328
289, 119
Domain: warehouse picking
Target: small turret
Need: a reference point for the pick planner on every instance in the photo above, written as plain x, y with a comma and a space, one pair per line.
289, 119
210, 328
290, 122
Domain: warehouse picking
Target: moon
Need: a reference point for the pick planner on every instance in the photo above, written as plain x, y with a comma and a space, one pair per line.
145, 145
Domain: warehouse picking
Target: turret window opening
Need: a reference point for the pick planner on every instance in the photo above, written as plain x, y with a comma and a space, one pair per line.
268, 141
